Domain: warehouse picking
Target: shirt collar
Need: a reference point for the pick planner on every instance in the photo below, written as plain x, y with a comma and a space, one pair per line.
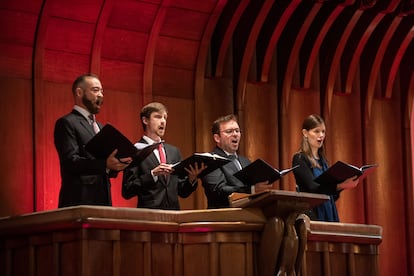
85, 113
235, 154
149, 140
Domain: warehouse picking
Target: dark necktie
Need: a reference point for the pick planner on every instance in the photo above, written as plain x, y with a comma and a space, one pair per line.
94, 123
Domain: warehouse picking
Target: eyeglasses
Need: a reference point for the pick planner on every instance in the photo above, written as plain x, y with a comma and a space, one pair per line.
231, 131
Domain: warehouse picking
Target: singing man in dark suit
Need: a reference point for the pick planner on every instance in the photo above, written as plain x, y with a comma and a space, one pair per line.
85, 180
220, 183
151, 180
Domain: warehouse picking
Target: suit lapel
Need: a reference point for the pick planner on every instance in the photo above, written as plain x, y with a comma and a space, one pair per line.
243, 162
87, 126
84, 123
151, 158
230, 167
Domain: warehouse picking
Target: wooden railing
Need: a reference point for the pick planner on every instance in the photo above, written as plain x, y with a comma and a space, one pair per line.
89, 241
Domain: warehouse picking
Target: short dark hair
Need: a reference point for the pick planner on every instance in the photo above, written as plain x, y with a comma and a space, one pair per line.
215, 129
150, 108
81, 79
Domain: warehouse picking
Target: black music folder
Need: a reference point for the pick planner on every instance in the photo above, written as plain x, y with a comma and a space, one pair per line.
109, 139
211, 160
260, 171
340, 171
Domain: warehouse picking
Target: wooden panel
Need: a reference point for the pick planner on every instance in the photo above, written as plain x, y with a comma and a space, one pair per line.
17, 269
261, 106
369, 264
69, 258
169, 86
44, 259
176, 53
55, 101
180, 124
124, 45
16, 61
339, 264
331, 249
97, 260
43, 253
133, 15
184, 24
232, 259
384, 194
119, 75
344, 142
32, 6
322, 258
130, 253
63, 67
122, 110
195, 261
203, 6
76, 9
17, 27
217, 95
16, 144
162, 259
76, 37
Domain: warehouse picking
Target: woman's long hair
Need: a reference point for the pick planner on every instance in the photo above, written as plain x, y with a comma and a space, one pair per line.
311, 122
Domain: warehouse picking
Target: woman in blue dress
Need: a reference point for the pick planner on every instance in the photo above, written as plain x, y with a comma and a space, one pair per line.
312, 162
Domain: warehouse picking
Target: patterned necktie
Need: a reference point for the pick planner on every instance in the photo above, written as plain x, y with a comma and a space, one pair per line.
94, 123
235, 160
163, 159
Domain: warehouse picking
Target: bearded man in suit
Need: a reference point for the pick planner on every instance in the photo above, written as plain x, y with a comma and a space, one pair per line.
85, 179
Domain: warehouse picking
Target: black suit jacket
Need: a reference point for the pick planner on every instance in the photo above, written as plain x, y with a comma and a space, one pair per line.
305, 183
160, 194
84, 178
219, 184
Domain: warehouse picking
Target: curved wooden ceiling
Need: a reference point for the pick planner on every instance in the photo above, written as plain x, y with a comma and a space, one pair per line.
343, 37
317, 45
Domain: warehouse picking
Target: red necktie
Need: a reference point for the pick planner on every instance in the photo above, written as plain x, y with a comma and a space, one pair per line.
163, 159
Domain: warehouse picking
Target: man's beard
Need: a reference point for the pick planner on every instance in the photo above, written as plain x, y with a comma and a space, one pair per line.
93, 107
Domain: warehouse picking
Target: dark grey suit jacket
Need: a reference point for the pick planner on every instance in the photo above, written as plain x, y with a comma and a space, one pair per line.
84, 178
219, 184
162, 194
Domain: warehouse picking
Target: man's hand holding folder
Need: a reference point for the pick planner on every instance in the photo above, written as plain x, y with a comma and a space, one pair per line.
205, 162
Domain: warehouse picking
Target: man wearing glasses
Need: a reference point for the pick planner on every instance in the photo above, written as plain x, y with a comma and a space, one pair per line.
219, 184
85, 180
